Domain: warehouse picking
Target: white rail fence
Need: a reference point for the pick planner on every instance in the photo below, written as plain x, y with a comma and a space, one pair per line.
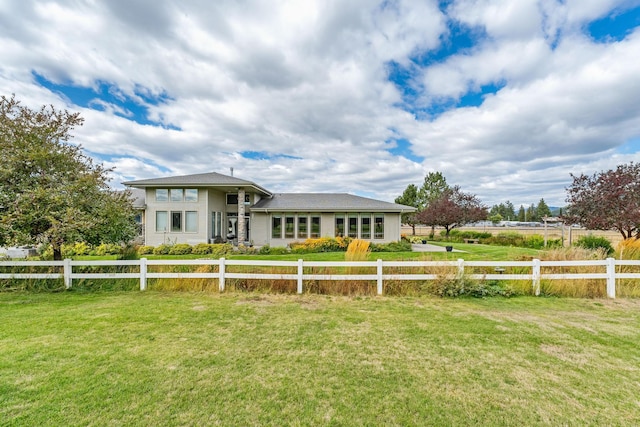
608, 271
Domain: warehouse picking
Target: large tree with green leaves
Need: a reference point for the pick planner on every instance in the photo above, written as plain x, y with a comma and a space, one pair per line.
433, 187
50, 191
410, 198
609, 200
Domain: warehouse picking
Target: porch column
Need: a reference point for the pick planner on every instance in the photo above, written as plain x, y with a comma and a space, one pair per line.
242, 234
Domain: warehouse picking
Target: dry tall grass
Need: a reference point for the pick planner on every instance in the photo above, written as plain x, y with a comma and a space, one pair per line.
358, 250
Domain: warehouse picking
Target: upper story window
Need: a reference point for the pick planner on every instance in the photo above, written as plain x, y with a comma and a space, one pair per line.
162, 195
191, 195
175, 194
232, 199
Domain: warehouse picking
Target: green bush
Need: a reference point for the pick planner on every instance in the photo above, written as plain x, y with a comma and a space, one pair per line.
595, 242
180, 249
108, 249
461, 287
218, 250
277, 250
162, 249
145, 250
401, 246
460, 235
202, 249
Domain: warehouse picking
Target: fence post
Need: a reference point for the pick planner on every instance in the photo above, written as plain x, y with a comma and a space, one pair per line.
67, 273
460, 273
379, 273
535, 274
300, 270
611, 277
143, 274
221, 271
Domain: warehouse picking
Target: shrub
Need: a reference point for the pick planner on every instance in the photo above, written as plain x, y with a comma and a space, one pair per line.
323, 244
401, 246
162, 249
218, 250
108, 249
180, 249
202, 249
595, 242
145, 250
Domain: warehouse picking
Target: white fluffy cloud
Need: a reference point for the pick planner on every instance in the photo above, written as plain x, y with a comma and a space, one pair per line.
297, 95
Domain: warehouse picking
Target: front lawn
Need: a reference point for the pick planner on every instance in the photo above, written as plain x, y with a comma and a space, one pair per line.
245, 359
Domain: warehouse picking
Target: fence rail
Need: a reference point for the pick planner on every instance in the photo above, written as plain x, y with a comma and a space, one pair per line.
300, 271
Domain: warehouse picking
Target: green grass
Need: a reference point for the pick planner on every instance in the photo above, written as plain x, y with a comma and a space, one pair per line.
245, 359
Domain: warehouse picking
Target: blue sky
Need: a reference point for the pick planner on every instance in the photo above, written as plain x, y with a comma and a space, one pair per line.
506, 99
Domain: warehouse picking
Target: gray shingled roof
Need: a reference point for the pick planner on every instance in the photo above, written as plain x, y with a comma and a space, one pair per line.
211, 179
326, 202
138, 198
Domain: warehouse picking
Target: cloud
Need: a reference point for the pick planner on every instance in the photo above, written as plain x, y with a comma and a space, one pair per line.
197, 86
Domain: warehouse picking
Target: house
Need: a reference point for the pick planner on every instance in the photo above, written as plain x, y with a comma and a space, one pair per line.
211, 207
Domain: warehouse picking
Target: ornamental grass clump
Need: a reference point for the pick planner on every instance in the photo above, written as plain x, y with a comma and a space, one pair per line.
358, 250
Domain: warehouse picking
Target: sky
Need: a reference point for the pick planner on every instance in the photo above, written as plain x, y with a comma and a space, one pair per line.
506, 98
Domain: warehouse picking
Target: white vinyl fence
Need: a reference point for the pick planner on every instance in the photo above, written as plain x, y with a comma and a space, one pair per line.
499, 270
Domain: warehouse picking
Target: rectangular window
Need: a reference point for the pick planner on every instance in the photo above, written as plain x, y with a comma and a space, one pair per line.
365, 226
191, 221
315, 227
289, 227
175, 194
378, 227
276, 226
161, 221
191, 195
176, 221
232, 199
303, 229
162, 195
353, 226
216, 224
247, 199
339, 232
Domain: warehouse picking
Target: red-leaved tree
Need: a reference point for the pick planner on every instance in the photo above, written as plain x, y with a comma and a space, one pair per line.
607, 200
452, 209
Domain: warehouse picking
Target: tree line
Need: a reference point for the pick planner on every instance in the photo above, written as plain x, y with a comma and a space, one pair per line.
606, 200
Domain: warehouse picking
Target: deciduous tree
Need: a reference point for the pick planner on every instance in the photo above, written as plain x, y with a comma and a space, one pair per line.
50, 192
410, 198
453, 209
607, 200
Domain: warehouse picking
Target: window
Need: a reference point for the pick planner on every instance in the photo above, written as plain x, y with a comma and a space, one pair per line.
161, 221
339, 232
162, 195
176, 221
276, 227
175, 194
315, 227
365, 226
232, 199
303, 229
289, 227
191, 221
378, 227
353, 226
191, 195
216, 224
